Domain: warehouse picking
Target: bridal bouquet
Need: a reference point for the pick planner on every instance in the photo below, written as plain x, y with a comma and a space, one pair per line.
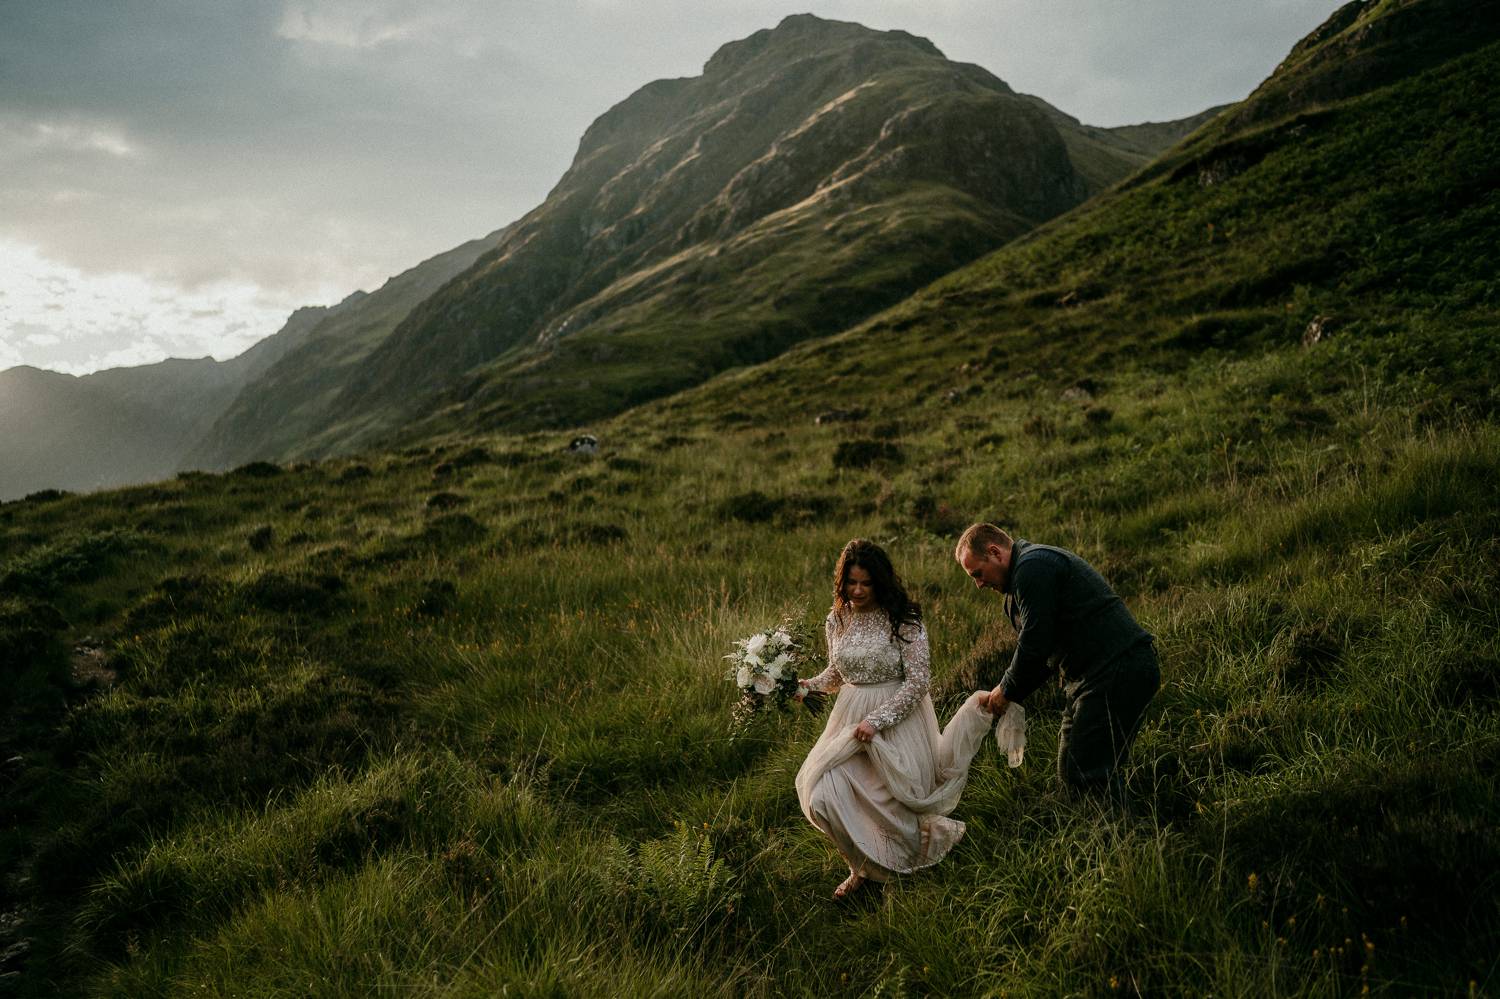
764, 668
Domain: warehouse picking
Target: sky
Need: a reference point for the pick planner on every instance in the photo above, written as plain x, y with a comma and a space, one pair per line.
176, 176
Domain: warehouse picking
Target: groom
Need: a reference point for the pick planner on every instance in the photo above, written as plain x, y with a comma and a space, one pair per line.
1063, 609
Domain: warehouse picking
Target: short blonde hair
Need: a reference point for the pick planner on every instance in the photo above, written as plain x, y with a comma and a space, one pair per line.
977, 537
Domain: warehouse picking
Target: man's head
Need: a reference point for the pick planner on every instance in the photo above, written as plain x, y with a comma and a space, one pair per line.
984, 552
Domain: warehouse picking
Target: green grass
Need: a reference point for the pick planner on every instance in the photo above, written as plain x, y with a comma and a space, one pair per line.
353, 741
353, 793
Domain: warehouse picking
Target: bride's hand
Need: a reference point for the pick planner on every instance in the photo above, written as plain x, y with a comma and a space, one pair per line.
865, 732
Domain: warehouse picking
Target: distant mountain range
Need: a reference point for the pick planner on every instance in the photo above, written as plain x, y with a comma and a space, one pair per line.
123, 425
139, 424
285, 407
814, 174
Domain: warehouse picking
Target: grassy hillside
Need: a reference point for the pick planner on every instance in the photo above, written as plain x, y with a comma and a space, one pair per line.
451, 720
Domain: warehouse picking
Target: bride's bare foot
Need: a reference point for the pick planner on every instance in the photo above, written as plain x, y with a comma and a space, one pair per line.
850, 885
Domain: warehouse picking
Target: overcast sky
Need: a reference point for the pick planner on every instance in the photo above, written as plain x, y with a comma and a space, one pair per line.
177, 175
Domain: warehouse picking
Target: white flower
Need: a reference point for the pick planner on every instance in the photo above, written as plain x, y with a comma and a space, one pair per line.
781, 661
751, 659
764, 684
743, 677
774, 671
754, 645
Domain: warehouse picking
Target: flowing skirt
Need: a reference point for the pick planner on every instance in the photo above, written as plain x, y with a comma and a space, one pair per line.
885, 803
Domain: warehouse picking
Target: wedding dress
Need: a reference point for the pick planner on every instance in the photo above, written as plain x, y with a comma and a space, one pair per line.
885, 803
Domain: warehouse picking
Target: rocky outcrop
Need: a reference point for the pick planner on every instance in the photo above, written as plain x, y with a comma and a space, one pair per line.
1365, 45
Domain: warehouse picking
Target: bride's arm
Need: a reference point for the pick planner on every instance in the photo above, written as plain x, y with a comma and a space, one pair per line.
830, 679
916, 661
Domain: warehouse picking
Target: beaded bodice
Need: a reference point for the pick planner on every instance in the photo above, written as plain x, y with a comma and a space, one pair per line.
862, 651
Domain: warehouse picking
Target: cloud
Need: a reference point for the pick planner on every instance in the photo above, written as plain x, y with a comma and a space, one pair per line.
84, 139
355, 24
196, 145
59, 317
20, 138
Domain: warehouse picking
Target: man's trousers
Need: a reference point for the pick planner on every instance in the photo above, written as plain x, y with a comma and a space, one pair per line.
1100, 722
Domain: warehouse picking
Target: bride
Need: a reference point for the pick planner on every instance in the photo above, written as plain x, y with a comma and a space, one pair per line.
882, 779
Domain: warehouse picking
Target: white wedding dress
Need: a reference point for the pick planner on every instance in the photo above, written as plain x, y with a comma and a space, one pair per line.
885, 803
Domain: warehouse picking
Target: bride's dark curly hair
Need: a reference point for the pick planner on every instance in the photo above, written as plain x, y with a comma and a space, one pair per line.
890, 594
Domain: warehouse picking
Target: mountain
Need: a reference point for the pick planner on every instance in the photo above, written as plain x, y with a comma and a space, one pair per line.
122, 425
1352, 191
281, 411
65, 432
1097, 152
813, 174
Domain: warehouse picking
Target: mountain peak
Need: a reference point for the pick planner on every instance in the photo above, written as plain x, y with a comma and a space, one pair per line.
800, 35
31, 371
306, 314
1365, 45
764, 61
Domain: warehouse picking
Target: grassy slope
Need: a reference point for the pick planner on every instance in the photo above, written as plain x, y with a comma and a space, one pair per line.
714, 313
319, 770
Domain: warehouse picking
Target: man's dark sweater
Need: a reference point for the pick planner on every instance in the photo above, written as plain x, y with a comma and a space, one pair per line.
1062, 608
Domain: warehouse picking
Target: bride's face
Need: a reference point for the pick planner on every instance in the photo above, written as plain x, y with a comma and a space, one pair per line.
859, 589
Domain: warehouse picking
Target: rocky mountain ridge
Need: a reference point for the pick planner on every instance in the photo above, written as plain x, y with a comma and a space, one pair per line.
280, 411
814, 173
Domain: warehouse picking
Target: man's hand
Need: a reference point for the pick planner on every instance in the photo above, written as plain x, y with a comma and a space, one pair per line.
865, 732
997, 702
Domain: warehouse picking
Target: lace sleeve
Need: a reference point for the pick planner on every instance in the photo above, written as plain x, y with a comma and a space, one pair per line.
917, 666
830, 679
